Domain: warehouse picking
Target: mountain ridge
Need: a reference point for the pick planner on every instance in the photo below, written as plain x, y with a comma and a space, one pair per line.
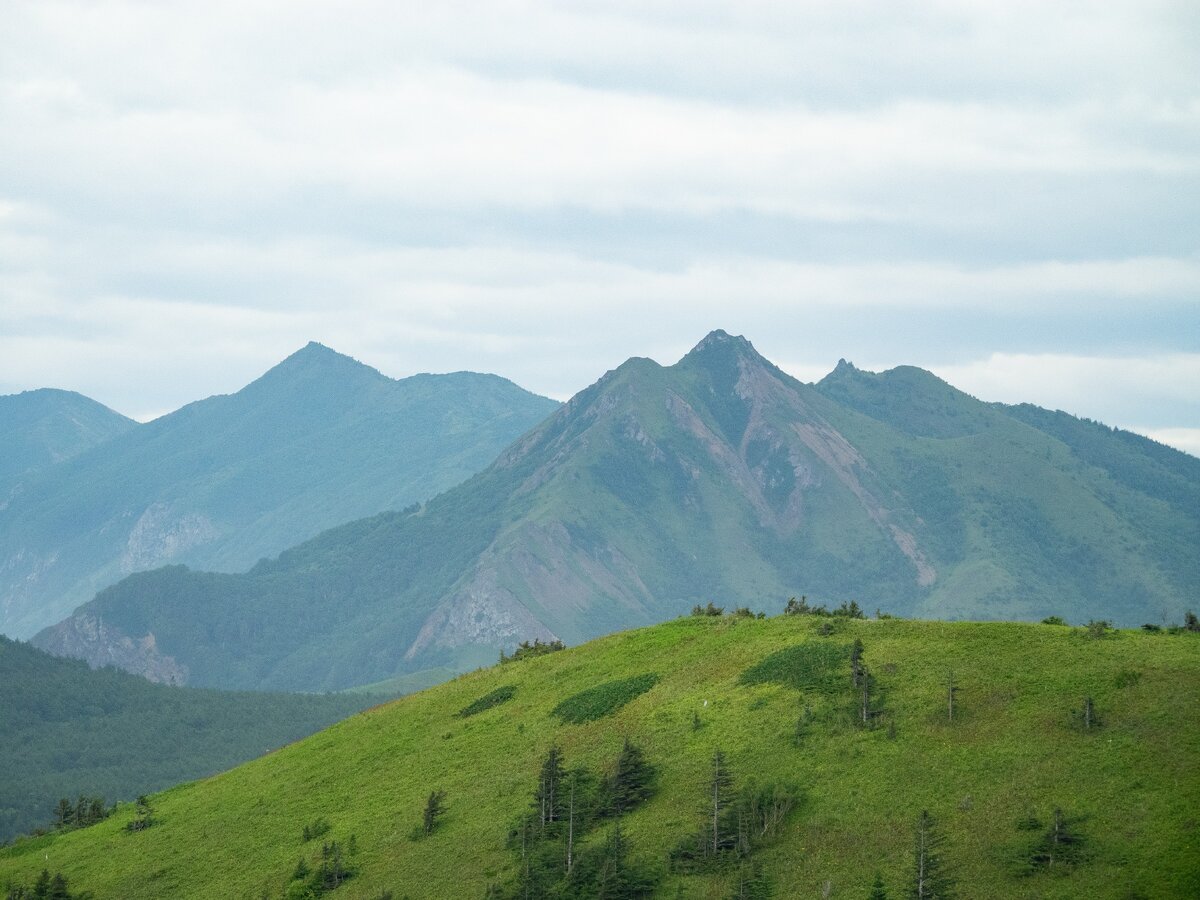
719, 477
44, 426
317, 440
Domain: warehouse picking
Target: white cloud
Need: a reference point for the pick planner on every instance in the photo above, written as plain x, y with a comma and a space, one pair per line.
1185, 439
543, 189
1111, 389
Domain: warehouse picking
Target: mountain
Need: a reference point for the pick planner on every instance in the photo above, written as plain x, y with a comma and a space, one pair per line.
46, 426
656, 488
778, 698
318, 440
69, 731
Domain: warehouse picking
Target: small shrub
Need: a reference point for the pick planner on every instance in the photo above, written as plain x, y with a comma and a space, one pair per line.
807, 666
143, 816
526, 650
603, 699
709, 610
1153, 629
1054, 620
314, 830
487, 701
1128, 678
1098, 628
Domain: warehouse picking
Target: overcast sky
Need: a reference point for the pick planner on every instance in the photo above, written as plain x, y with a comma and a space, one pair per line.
1005, 193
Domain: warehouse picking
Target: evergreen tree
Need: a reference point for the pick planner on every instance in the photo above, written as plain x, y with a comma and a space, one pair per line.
929, 880
616, 878
63, 813
434, 807
1060, 845
549, 801
41, 887
878, 892
751, 883
631, 781
720, 795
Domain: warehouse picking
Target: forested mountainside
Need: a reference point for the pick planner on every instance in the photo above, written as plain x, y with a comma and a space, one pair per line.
67, 731
660, 487
317, 441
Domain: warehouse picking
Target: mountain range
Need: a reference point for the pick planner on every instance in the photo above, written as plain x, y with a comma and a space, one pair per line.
319, 440
659, 487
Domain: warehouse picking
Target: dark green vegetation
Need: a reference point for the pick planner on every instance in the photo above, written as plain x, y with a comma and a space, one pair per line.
1021, 801
488, 700
315, 442
603, 699
67, 732
39, 428
660, 488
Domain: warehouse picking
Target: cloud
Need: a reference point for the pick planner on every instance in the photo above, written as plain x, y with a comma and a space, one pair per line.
189, 193
1185, 439
1135, 392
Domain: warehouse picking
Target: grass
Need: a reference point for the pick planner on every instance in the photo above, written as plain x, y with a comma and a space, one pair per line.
1013, 750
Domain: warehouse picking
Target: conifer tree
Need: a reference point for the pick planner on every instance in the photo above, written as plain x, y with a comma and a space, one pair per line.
929, 879
856, 664
720, 795
631, 781
549, 799
878, 891
434, 807
1060, 845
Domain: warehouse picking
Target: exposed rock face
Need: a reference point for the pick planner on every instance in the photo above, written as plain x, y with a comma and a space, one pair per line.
159, 536
84, 636
717, 478
481, 612
21, 576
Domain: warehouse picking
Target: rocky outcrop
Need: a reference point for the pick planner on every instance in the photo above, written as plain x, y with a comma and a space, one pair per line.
85, 636
159, 536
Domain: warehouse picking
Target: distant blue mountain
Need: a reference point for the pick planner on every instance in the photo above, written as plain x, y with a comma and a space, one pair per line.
38, 428
318, 440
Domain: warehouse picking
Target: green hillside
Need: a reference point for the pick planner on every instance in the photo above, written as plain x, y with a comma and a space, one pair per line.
66, 731
660, 487
318, 440
776, 698
38, 428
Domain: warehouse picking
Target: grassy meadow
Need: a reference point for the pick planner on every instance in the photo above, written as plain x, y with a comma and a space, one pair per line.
1015, 750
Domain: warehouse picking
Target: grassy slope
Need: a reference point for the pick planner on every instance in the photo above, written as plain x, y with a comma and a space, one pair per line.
1012, 748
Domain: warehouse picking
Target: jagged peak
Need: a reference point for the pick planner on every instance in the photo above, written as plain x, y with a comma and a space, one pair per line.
719, 348
723, 339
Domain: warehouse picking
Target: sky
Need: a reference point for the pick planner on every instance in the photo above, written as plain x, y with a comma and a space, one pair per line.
1007, 194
